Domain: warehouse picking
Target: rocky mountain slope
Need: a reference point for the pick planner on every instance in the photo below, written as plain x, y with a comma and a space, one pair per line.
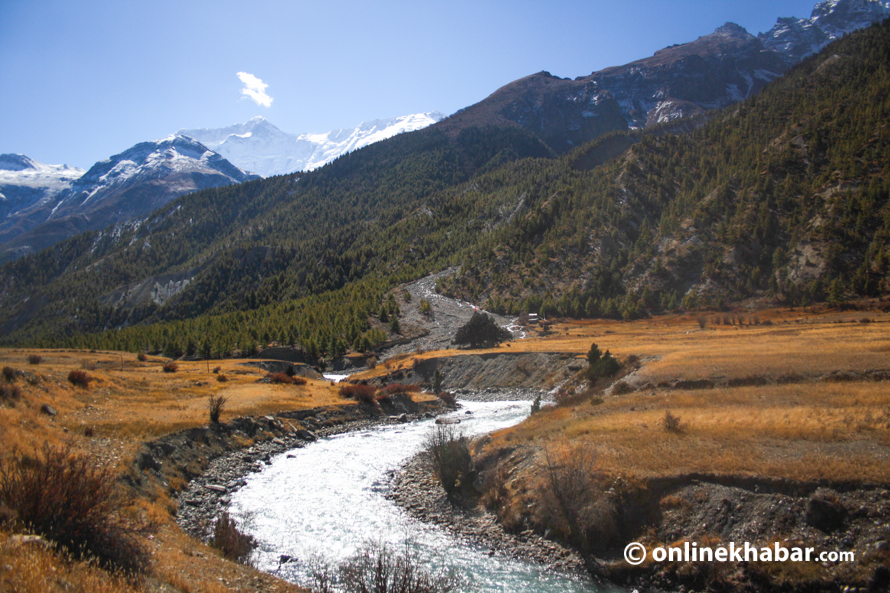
25, 182
119, 189
260, 147
797, 38
680, 81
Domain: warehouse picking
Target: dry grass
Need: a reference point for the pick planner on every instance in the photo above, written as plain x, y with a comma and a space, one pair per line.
806, 431
803, 430
35, 568
130, 401
820, 342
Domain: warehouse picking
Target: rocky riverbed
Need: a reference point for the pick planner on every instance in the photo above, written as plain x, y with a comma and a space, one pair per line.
208, 494
416, 489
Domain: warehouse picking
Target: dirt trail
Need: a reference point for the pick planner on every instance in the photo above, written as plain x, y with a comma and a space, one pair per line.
447, 316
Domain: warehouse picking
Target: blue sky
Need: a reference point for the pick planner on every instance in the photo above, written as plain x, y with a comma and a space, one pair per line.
82, 80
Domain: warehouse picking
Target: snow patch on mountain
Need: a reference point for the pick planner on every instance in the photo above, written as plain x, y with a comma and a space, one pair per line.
260, 147
25, 182
798, 38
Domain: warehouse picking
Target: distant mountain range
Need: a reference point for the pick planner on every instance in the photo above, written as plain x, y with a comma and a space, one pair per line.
260, 147
43, 204
119, 189
25, 182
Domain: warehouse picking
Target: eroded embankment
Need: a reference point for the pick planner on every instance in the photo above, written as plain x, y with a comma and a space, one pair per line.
501, 370
201, 467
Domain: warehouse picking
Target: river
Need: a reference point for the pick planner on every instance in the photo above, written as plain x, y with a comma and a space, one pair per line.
327, 499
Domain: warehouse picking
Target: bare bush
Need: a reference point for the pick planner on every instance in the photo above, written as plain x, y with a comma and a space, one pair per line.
170, 367
141, 357
34, 359
394, 388
231, 541
76, 503
573, 502
217, 403
702, 321
449, 452
9, 374
377, 569
221, 378
671, 423
79, 379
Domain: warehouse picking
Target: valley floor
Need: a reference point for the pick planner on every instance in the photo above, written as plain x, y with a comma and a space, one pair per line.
783, 431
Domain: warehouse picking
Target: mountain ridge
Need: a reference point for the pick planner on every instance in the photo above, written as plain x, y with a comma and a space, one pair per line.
685, 80
121, 188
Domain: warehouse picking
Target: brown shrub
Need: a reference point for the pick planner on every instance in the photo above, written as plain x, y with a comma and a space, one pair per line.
222, 378
449, 452
10, 393
229, 540
360, 392
76, 503
285, 379
9, 374
377, 568
447, 398
394, 388
170, 367
216, 405
141, 357
79, 379
34, 359
671, 423
573, 500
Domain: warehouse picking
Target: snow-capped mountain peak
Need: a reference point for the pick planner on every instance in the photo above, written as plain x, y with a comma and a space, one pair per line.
126, 186
260, 147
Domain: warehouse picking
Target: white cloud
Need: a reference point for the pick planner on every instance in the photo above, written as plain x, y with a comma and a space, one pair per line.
255, 89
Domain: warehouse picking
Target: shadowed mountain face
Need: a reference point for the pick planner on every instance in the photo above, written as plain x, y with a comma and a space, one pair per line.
680, 81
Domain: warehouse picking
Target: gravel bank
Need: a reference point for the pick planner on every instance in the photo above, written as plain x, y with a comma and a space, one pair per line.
415, 489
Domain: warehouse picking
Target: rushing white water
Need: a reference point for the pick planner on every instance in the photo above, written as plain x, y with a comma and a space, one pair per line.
327, 499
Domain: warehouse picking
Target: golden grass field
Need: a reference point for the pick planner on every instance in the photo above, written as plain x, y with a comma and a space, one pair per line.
807, 429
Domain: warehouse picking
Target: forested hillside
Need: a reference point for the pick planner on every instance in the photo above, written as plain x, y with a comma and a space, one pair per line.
783, 196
